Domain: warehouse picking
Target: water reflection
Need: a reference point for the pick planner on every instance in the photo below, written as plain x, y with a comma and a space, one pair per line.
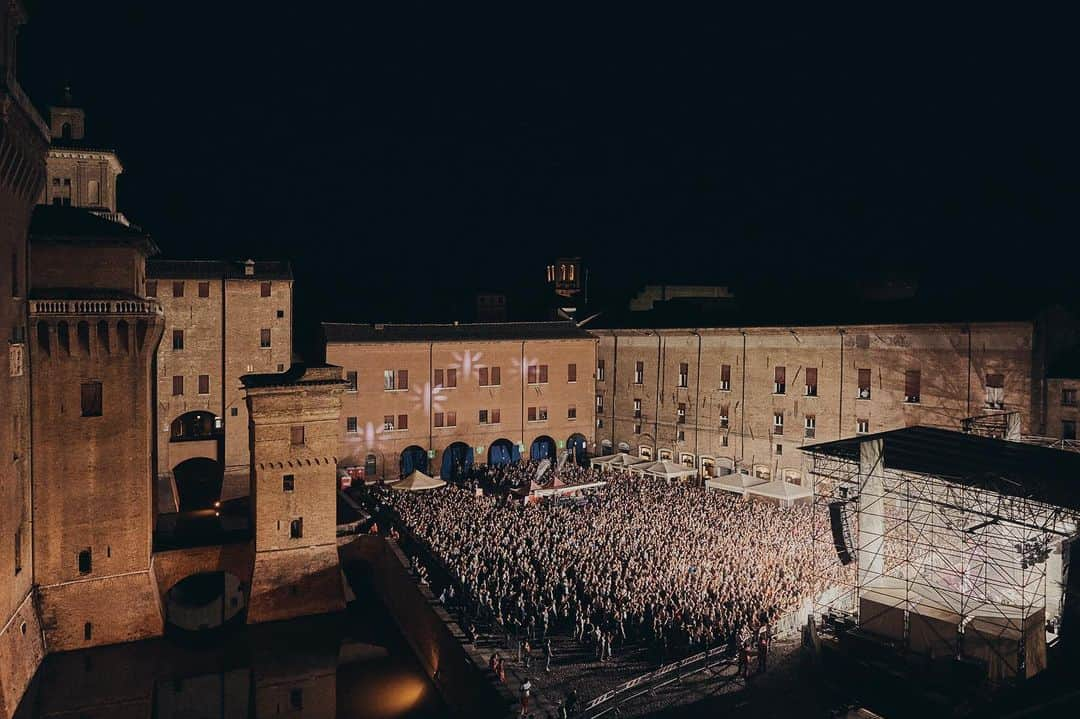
352, 664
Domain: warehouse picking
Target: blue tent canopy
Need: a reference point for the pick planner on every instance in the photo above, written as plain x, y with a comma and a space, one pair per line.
413, 458
457, 460
542, 448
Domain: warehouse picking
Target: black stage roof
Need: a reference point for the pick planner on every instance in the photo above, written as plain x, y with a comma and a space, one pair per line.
347, 333
1011, 468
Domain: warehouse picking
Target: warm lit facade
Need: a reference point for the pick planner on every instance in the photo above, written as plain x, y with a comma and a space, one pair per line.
23, 143
438, 397
718, 399
222, 320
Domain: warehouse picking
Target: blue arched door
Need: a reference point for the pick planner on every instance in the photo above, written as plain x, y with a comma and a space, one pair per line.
577, 448
457, 459
413, 458
503, 451
542, 448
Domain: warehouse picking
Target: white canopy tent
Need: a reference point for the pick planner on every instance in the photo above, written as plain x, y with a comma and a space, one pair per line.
665, 470
620, 461
418, 481
783, 492
735, 482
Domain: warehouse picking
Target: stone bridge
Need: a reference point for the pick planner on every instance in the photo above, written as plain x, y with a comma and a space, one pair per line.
171, 566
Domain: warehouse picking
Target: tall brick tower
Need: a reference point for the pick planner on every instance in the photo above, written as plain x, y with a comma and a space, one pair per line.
294, 435
94, 334
23, 142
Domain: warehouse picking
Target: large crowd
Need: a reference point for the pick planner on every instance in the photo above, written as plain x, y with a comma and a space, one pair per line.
521, 476
639, 559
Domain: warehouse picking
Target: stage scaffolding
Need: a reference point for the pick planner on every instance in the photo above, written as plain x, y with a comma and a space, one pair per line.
941, 568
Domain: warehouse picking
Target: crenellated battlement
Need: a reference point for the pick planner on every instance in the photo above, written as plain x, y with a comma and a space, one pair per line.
115, 332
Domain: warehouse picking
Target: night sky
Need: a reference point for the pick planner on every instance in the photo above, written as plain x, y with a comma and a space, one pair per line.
396, 146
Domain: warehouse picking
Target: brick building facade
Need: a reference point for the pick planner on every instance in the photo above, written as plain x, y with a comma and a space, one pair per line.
749, 397
446, 395
222, 320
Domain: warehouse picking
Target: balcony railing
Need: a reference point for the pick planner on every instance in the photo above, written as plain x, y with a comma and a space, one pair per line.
95, 307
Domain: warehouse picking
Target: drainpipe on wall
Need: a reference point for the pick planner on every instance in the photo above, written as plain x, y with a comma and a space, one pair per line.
697, 400
614, 388
840, 421
659, 384
742, 404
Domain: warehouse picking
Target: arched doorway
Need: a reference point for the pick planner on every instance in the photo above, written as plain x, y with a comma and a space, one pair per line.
413, 457
208, 600
371, 466
503, 451
198, 483
543, 447
194, 426
578, 448
457, 460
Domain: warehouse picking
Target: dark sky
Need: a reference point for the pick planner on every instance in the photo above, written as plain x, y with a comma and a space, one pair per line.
397, 145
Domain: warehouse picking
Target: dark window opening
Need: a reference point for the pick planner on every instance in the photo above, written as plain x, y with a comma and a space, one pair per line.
91, 399
86, 562
288, 482
296, 528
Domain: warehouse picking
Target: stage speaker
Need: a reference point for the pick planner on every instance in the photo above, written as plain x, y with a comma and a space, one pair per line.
839, 531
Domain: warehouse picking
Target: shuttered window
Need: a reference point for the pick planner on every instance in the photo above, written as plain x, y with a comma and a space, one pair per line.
439, 380
90, 394
451, 419
532, 374
571, 372
496, 376
403, 379
204, 289
496, 416
811, 381
440, 419
543, 373
403, 421
780, 380
296, 434
532, 414
483, 376
264, 289
177, 385
725, 377
864, 384
451, 377
204, 384
912, 385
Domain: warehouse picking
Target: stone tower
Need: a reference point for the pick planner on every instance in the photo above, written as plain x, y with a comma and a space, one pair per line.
23, 143
80, 174
93, 336
294, 437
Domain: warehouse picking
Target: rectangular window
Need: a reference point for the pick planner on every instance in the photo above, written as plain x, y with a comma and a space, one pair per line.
483, 419
496, 376
780, 380
350, 425
439, 379
204, 289
288, 482
811, 381
178, 339
389, 379
296, 434
571, 372
86, 561
680, 413
542, 414
725, 377
177, 385
151, 288
403, 421
639, 373
532, 414
681, 436
88, 631
723, 416
599, 370
451, 377
496, 416
532, 374
543, 374
296, 528
599, 404
1068, 429
571, 412
350, 381
862, 426
778, 422
995, 391
912, 385
811, 426
1068, 397
264, 338
91, 399
451, 419
403, 379
234, 411
684, 374
637, 408
388, 423
637, 428
264, 289
482, 376
864, 384
724, 440
440, 419
204, 384
177, 289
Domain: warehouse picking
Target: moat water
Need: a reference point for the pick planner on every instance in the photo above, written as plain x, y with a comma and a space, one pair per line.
351, 664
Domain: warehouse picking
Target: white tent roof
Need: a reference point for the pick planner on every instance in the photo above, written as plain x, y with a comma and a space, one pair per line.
735, 482
666, 469
622, 459
418, 481
779, 489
